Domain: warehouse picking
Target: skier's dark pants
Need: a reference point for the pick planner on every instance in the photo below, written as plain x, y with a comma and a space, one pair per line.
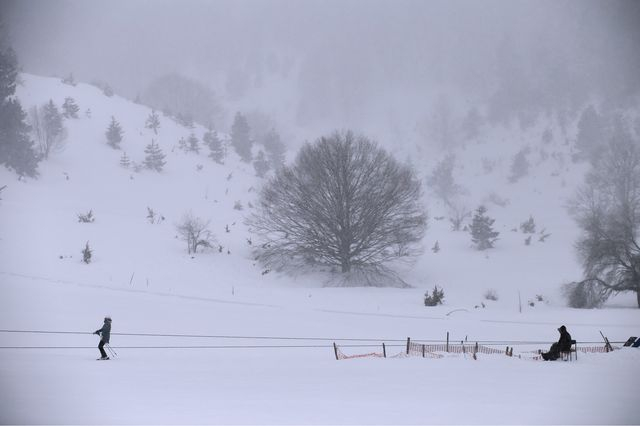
101, 347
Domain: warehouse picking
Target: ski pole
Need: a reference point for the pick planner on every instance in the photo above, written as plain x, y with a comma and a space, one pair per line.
111, 349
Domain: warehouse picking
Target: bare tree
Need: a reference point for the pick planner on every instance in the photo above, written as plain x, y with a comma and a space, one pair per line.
458, 214
48, 130
442, 182
607, 208
194, 231
344, 203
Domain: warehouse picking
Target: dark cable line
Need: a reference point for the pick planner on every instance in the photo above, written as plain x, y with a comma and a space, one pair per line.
212, 336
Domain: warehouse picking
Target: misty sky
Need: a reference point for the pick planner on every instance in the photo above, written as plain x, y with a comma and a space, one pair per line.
330, 53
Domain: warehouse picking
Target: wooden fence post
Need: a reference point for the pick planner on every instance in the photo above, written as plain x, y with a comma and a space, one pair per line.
422, 351
408, 343
462, 344
447, 342
335, 350
384, 350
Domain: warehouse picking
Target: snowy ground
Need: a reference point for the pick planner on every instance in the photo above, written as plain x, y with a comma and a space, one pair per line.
141, 275
296, 385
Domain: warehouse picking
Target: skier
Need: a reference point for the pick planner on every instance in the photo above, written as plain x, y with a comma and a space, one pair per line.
104, 333
563, 344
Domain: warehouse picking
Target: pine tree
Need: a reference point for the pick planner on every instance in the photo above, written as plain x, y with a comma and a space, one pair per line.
240, 137
591, 133
125, 161
17, 150
153, 122
275, 149
215, 145
86, 254
520, 165
261, 165
154, 159
70, 108
69, 80
482, 233
52, 128
192, 144
114, 134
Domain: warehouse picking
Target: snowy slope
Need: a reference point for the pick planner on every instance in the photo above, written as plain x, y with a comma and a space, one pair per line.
142, 276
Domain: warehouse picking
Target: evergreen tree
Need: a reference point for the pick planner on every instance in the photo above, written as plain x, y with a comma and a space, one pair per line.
87, 253
192, 144
154, 159
240, 138
125, 161
114, 134
50, 127
69, 80
153, 122
215, 145
520, 165
70, 108
261, 165
17, 151
275, 149
591, 133
482, 233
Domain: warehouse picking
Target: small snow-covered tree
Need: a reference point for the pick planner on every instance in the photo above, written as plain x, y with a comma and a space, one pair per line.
154, 159
482, 233
458, 213
48, 128
261, 165
275, 149
435, 298
441, 180
153, 122
69, 80
87, 253
216, 147
70, 108
520, 165
125, 161
241, 137
194, 231
528, 226
114, 134
591, 133
192, 144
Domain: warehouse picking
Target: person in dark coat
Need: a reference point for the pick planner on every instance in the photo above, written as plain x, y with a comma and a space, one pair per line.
562, 345
105, 334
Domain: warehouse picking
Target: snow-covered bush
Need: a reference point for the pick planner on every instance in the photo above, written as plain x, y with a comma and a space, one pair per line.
86, 218
528, 226
435, 298
491, 294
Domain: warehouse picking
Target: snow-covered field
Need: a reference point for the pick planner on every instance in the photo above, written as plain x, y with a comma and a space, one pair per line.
142, 276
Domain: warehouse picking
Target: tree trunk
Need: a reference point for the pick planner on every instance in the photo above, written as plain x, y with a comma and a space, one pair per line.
638, 294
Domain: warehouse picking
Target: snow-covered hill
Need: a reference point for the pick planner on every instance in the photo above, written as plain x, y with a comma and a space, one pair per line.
143, 277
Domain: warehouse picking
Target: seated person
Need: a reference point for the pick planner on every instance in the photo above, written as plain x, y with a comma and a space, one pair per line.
562, 345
